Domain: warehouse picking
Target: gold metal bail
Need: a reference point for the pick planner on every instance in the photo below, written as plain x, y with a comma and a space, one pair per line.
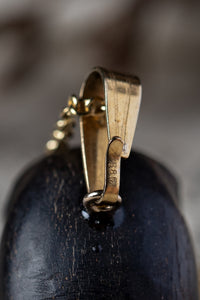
107, 131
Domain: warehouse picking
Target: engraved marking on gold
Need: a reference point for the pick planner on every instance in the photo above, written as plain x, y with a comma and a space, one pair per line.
106, 200
112, 178
108, 107
121, 95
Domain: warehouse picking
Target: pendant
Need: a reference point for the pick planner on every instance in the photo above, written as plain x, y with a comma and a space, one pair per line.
100, 222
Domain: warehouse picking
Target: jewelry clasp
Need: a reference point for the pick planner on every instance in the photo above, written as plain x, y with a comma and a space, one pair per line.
107, 129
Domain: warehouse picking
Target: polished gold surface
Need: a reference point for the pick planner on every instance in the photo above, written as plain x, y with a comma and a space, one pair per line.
108, 107
112, 173
107, 199
121, 96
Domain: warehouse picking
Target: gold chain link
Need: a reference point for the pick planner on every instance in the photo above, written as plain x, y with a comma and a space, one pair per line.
64, 126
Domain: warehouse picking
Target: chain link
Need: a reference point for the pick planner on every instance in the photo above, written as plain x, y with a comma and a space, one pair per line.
64, 126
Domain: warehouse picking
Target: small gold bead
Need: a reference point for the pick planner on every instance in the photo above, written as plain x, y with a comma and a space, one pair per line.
65, 112
52, 145
62, 124
59, 135
72, 111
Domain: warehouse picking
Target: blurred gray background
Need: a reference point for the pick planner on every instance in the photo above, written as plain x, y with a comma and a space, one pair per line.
47, 47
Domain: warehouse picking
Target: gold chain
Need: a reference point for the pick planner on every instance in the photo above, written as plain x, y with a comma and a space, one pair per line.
64, 126
66, 123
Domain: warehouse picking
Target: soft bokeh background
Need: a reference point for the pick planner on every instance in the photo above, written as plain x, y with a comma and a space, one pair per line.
47, 47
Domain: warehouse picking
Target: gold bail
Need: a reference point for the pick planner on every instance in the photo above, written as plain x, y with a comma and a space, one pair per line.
107, 132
